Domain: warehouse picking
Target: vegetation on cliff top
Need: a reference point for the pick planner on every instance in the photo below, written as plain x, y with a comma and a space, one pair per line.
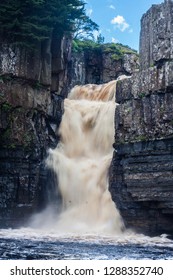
28, 22
117, 49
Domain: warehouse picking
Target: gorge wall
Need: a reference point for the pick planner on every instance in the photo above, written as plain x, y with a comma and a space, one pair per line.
101, 65
32, 88
33, 85
30, 111
141, 174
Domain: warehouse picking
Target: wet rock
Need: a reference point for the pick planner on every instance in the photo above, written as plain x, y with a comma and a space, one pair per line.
141, 177
141, 183
29, 116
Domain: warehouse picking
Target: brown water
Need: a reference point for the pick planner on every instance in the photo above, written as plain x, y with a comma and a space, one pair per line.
88, 226
82, 159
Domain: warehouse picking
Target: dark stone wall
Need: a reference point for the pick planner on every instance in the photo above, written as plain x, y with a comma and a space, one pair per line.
99, 66
141, 183
141, 173
156, 40
31, 106
32, 89
33, 85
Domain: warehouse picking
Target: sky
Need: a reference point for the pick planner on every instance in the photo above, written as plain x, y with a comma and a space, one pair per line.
119, 20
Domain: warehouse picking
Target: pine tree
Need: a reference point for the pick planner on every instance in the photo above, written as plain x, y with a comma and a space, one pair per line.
27, 22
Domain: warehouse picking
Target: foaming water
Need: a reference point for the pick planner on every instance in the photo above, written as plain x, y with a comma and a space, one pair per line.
88, 225
26, 243
82, 159
103, 92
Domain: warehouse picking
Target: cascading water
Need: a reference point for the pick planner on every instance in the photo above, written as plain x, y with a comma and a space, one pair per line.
88, 226
82, 159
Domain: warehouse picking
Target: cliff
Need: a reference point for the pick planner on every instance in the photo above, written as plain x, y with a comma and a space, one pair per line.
33, 85
32, 88
30, 111
101, 64
141, 177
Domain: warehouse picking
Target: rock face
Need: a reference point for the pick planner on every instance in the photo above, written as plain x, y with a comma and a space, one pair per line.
30, 111
32, 88
100, 66
33, 85
156, 40
141, 174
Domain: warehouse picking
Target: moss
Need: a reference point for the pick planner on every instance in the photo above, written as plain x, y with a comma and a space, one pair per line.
12, 146
117, 50
141, 95
128, 110
6, 107
37, 85
79, 46
5, 139
141, 138
152, 65
6, 135
119, 82
116, 57
27, 139
121, 142
6, 78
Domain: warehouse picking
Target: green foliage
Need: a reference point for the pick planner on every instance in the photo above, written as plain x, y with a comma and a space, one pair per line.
141, 138
27, 139
6, 107
126, 48
100, 39
110, 47
116, 56
27, 22
81, 45
84, 28
117, 50
36, 85
141, 95
6, 135
5, 78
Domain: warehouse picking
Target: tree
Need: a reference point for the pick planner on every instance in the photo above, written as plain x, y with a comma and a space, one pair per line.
19, 22
84, 28
26, 22
100, 39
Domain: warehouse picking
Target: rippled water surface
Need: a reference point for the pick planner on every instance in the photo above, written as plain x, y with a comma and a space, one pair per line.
31, 244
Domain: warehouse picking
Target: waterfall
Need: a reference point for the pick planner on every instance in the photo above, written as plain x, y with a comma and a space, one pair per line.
81, 161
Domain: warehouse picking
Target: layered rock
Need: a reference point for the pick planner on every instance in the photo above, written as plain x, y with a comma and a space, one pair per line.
156, 39
141, 177
33, 85
32, 88
97, 66
30, 111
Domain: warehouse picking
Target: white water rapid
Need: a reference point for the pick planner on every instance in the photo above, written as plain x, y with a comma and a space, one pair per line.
82, 159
